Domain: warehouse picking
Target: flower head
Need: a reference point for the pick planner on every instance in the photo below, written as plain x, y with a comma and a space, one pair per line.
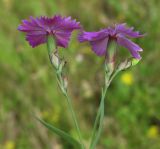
153, 132
119, 33
9, 145
38, 29
127, 78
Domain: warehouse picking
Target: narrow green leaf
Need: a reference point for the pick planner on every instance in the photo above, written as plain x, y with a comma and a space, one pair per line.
61, 133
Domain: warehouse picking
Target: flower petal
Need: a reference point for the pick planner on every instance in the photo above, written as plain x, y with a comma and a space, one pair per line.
122, 29
62, 38
35, 40
92, 36
131, 46
60, 23
30, 25
35, 34
99, 46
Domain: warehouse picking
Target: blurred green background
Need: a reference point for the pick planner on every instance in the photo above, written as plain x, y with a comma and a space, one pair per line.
28, 84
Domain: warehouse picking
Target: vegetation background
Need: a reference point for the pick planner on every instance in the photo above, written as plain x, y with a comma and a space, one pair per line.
28, 85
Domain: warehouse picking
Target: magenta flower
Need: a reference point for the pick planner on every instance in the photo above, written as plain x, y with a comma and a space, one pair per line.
120, 33
38, 29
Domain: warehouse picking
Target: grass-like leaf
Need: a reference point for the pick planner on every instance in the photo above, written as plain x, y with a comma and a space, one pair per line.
61, 133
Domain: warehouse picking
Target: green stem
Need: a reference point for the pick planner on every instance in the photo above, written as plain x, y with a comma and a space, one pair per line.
51, 46
74, 119
100, 114
64, 91
95, 125
99, 118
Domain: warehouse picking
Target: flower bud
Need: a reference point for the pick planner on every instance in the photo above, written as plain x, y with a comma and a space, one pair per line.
61, 65
127, 63
54, 60
65, 81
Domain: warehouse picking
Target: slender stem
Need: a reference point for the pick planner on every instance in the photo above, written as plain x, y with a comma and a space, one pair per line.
100, 116
95, 126
100, 113
52, 46
74, 119
64, 91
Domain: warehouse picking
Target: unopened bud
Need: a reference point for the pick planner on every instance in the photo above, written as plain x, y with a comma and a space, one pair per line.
127, 63
65, 81
54, 60
61, 65
124, 65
